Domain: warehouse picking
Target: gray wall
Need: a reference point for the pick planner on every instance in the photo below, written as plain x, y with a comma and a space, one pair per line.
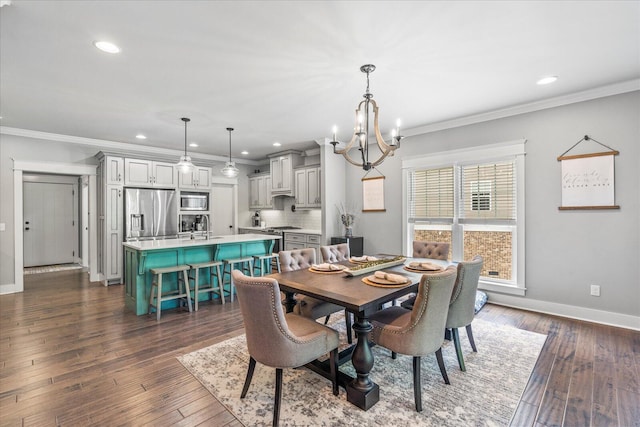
566, 251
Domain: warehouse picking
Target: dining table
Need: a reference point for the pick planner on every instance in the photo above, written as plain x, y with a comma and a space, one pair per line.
357, 297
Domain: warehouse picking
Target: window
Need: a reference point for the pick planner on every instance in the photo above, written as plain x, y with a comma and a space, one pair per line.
474, 200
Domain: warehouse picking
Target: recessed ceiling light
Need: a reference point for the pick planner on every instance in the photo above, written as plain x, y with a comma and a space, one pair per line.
276, 144
244, 152
193, 144
141, 136
547, 80
106, 47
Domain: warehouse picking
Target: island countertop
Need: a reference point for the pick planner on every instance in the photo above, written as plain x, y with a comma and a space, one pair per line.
144, 245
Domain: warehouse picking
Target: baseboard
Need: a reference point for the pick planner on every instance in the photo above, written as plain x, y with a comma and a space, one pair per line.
10, 288
573, 312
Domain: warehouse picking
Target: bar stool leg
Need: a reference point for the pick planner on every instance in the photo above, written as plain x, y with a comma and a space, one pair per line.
153, 288
220, 282
159, 297
185, 279
195, 288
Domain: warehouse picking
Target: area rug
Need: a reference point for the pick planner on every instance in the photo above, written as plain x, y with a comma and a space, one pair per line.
51, 268
485, 395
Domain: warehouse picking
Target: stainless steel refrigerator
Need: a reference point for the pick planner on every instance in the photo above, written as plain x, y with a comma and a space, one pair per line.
150, 214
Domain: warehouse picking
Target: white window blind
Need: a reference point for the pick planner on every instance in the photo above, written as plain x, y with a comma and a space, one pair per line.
431, 195
488, 192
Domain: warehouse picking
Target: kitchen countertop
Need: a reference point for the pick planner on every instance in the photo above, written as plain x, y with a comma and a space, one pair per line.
144, 245
301, 230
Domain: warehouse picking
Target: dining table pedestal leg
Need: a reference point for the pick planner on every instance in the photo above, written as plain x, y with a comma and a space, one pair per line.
362, 392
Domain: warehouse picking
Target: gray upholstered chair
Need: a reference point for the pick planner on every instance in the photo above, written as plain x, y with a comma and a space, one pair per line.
335, 253
307, 306
418, 332
462, 306
277, 339
433, 250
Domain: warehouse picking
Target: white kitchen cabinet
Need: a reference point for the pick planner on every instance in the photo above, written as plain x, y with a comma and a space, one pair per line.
307, 187
150, 173
282, 177
114, 170
112, 242
293, 241
260, 193
200, 178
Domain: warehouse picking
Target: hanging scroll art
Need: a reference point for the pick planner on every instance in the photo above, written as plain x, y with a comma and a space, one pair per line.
373, 194
588, 180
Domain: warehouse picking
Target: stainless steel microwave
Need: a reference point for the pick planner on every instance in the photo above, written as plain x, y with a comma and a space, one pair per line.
191, 201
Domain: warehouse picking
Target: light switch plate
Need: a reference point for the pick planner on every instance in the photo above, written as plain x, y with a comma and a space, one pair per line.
2, 226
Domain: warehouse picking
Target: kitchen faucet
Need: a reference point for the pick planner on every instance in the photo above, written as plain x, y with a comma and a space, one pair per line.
206, 232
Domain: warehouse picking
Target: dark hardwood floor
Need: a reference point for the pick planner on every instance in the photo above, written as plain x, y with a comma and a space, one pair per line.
70, 354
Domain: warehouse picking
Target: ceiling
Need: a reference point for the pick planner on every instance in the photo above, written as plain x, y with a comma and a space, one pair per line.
289, 71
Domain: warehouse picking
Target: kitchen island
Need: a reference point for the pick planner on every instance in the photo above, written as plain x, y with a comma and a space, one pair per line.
141, 256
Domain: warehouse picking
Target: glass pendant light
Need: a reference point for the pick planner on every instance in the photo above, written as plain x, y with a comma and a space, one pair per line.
230, 170
185, 165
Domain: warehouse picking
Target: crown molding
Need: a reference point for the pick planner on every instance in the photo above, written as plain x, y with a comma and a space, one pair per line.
104, 145
587, 95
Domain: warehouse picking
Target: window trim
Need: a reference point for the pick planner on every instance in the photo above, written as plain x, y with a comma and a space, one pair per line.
509, 150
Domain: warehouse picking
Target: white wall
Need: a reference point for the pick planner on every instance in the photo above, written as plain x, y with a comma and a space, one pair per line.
566, 251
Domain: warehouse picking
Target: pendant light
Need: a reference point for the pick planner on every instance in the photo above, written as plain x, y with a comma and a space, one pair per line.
230, 170
185, 165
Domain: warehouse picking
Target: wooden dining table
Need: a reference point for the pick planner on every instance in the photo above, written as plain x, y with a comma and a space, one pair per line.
362, 300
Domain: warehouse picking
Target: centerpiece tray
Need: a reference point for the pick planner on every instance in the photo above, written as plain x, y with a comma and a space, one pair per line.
370, 266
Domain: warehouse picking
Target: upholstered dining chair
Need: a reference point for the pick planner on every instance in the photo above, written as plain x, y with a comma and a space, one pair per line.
462, 306
432, 250
335, 253
277, 339
418, 332
307, 306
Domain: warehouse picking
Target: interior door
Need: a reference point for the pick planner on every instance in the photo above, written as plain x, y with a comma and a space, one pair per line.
223, 209
50, 224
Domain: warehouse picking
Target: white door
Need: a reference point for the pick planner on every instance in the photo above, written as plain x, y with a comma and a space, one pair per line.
50, 225
223, 203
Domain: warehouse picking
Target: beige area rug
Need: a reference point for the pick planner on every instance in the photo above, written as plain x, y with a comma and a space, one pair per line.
51, 268
486, 394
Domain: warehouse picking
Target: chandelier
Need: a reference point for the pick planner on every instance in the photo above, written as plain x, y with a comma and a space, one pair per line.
230, 170
185, 165
361, 131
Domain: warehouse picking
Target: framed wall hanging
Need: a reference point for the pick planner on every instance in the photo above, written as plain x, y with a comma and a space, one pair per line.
373, 194
588, 180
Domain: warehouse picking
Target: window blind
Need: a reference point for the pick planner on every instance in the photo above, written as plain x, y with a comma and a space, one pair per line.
488, 191
431, 194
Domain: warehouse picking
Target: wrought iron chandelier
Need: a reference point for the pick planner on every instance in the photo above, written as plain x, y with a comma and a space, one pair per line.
230, 170
361, 131
185, 165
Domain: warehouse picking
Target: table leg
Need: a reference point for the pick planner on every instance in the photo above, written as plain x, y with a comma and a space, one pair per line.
362, 392
289, 301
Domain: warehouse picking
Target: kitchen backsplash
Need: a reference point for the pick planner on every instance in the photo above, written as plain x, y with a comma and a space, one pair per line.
310, 219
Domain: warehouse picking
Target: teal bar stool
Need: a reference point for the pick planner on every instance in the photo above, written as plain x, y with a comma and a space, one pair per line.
244, 264
156, 285
215, 280
263, 264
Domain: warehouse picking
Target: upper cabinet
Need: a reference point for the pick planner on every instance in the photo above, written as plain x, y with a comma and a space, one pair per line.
150, 173
260, 193
200, 177
308, 187
282, 178
113, 170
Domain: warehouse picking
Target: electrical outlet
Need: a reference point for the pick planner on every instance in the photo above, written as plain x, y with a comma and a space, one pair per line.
595, 290
2, 226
